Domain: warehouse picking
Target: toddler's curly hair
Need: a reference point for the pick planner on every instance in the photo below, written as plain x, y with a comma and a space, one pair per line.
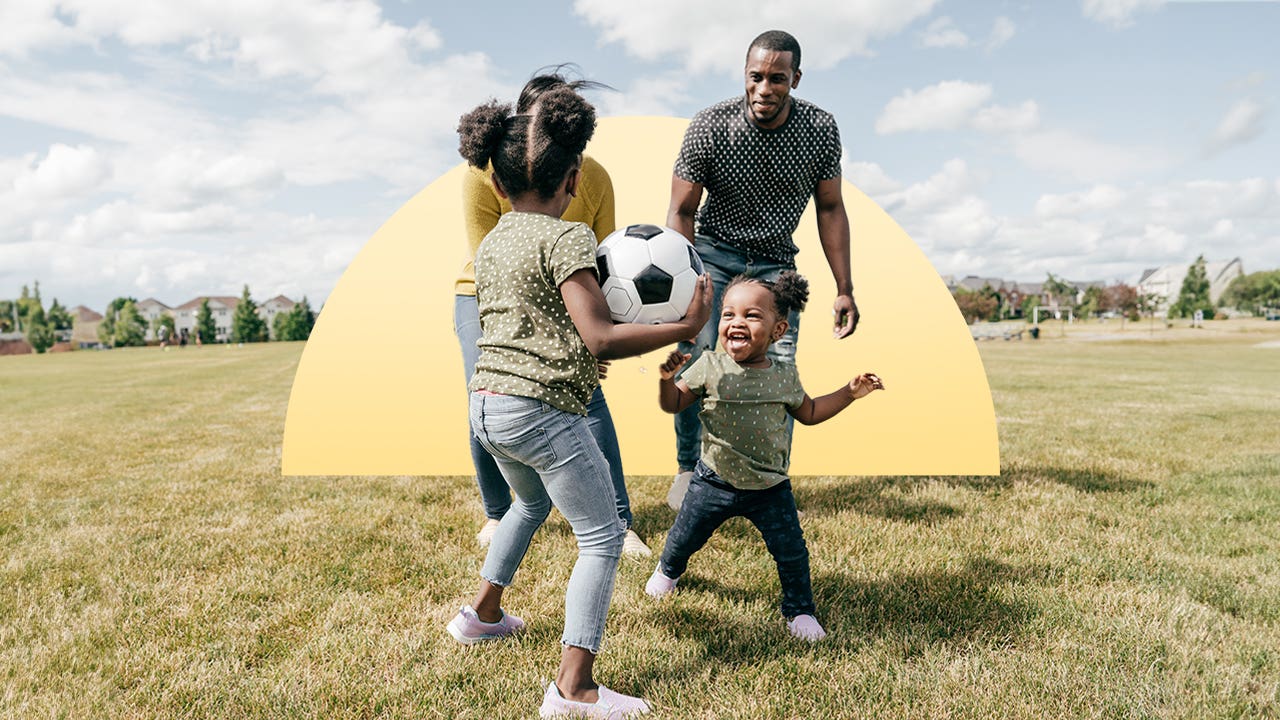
790, 291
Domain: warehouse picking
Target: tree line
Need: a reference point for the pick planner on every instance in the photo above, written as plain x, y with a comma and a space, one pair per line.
1253, 293
122, 324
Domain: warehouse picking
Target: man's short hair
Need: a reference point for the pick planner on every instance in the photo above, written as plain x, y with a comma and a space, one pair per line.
778, 41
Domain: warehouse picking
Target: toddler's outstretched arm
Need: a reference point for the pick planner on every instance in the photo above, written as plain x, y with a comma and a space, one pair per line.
813, 411
673, 395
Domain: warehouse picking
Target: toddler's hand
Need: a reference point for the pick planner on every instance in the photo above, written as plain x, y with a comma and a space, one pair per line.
674, 362
864, 384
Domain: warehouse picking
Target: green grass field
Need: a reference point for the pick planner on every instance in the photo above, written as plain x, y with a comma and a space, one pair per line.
1126, 564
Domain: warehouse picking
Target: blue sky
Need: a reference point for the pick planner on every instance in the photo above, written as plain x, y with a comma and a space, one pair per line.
178, 149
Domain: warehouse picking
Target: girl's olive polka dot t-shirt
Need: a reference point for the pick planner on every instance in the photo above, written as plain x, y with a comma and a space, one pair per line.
530, 346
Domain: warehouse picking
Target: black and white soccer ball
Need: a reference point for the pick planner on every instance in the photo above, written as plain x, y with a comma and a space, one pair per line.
648, 274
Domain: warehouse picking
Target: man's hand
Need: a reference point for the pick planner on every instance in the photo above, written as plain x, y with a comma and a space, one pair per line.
845, 312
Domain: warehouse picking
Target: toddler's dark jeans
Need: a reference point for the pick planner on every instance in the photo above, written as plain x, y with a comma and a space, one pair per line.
711, 501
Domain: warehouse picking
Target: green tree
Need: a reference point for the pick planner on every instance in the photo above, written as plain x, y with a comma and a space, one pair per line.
1060, 291
1253, 292
1028, 307
164, 320
8, 316
122, 325
58, 317
205, 329
282, 326
975, 306
246, 324
27, 303
39, 334
295, 324
1194, 294
1091, 304
1121, 299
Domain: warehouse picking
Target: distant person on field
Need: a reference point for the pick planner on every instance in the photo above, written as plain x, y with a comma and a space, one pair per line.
747, 398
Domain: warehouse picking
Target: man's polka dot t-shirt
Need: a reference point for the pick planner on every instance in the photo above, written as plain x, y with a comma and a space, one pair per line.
758, 182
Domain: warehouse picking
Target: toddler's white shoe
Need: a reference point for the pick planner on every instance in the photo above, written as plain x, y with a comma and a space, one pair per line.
660, 585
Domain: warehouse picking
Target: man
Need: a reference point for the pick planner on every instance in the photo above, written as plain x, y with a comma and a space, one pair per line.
760, 158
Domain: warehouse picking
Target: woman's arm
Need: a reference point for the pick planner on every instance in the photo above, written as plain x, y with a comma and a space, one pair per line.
609, 341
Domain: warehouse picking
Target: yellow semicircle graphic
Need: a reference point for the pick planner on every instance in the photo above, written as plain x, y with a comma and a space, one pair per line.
379, 388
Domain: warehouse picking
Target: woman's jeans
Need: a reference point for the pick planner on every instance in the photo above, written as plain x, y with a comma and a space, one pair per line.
711, 501
725, 262
549, 458
494, 493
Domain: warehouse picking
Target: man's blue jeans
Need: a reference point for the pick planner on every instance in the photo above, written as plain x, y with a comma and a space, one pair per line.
711, 501
495, 496
725, 262
549, 458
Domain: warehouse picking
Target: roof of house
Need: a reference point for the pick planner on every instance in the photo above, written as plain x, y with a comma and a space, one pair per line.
81, 314
229, 301
279, 300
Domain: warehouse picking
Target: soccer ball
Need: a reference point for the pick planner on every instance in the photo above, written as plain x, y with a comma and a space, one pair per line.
648, 274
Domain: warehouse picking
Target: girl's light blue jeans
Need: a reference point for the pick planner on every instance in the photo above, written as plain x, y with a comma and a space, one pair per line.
495, 496
548, 457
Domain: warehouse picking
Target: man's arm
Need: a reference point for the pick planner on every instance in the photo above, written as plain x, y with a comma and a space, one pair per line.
833, 233
685, 197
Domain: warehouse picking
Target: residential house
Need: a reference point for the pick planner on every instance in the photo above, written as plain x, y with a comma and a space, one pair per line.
1166, 282
269, 309
151, 309
84, 327
222, 307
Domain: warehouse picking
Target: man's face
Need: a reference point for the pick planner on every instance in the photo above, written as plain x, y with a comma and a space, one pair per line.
770, 78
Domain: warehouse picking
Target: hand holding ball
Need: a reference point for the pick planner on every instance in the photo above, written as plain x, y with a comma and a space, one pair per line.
648, 274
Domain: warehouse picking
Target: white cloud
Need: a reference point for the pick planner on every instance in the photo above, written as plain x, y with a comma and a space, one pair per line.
1007, 118
944, 214
660, 95
944, 106
1118, 13
1002, 31
1099, 198
1065, 153
221, 113
342, 46
870, 178
941, 33
32, 24
102, 106
65, 171
1242, 123
1105, 232
828, 32
32, 187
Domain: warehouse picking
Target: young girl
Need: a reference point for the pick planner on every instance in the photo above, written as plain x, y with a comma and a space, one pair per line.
544, 323
482, 206
743, 471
